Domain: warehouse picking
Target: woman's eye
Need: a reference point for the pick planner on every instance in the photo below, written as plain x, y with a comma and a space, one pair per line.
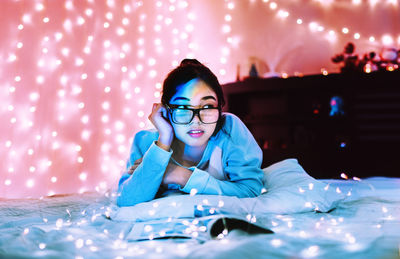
208, 106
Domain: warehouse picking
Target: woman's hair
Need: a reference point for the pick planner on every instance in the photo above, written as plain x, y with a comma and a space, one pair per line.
187, 70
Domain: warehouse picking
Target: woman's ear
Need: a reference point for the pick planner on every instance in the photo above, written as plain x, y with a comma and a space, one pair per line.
164, 112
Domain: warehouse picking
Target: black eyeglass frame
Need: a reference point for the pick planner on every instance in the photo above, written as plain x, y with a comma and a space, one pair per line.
172, 107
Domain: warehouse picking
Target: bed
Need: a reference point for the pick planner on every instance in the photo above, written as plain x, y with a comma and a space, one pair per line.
301, 217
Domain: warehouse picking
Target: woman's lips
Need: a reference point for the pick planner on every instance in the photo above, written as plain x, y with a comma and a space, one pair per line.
196, 133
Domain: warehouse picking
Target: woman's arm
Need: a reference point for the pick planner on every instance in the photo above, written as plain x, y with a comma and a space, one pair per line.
143, 183
241, 162
245, 181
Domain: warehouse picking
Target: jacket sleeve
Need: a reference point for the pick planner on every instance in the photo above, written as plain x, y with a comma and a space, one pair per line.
143, 184
242, 165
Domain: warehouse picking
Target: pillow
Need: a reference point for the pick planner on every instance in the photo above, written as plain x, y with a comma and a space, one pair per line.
289, 190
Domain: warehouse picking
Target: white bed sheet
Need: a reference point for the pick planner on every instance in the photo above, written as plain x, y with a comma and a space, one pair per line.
364, 225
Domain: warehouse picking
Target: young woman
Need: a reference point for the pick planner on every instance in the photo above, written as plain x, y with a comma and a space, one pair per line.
194, 147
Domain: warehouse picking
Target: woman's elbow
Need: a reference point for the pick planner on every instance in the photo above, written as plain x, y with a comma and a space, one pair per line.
125, 200
122, 201
254, 190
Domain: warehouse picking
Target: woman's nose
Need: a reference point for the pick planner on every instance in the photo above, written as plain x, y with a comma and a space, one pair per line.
196, 119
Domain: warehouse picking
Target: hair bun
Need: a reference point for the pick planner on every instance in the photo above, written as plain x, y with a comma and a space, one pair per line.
190, 61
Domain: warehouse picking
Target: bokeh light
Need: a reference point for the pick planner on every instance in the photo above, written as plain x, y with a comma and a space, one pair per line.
78, 78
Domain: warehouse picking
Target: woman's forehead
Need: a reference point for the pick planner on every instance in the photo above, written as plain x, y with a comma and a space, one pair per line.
193, 89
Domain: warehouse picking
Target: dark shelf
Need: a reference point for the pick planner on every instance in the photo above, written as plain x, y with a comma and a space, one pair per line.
291, 118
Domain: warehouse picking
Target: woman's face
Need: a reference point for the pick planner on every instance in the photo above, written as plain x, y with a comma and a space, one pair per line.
194, 94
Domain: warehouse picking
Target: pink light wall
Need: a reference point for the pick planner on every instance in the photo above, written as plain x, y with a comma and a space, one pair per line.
77, 78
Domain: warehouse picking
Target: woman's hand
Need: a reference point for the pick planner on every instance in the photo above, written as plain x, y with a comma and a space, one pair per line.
159, 119
176, 174
135, 165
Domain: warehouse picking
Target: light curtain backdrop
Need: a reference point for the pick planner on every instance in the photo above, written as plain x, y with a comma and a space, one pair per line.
78, 78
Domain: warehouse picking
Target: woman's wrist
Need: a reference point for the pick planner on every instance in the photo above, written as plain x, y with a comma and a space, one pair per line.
184, 176
166, 147
164, 142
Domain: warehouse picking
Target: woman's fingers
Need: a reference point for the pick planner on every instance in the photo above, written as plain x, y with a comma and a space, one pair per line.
135, 165
162, 124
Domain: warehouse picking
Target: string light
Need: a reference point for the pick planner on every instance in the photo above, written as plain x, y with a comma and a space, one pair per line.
61, 70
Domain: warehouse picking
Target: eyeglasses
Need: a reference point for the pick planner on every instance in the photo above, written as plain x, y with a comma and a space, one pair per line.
183, 115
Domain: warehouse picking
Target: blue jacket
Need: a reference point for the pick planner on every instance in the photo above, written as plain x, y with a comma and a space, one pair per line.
231, 165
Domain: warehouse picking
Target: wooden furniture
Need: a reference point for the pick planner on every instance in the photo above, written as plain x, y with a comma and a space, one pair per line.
291, 118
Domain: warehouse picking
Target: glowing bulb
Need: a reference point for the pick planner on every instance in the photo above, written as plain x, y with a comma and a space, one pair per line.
34, 96
69, 5
119, 125
387, 40
26, 18
89, 12
283, 14
58, 36
276, 242
121, 31
85, 119
67, 25
158, 42
171, 8
40, 79
189, 27
78, 61
105, 105
299, 21
83, 176
226, 28
345, 30
141, 28
139, 67
40, 63
80, 20
152, 73
39, 7
109, 16
273, 5
65, 51
104, 118
100, 75
313, 26
30, 183
357, 36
